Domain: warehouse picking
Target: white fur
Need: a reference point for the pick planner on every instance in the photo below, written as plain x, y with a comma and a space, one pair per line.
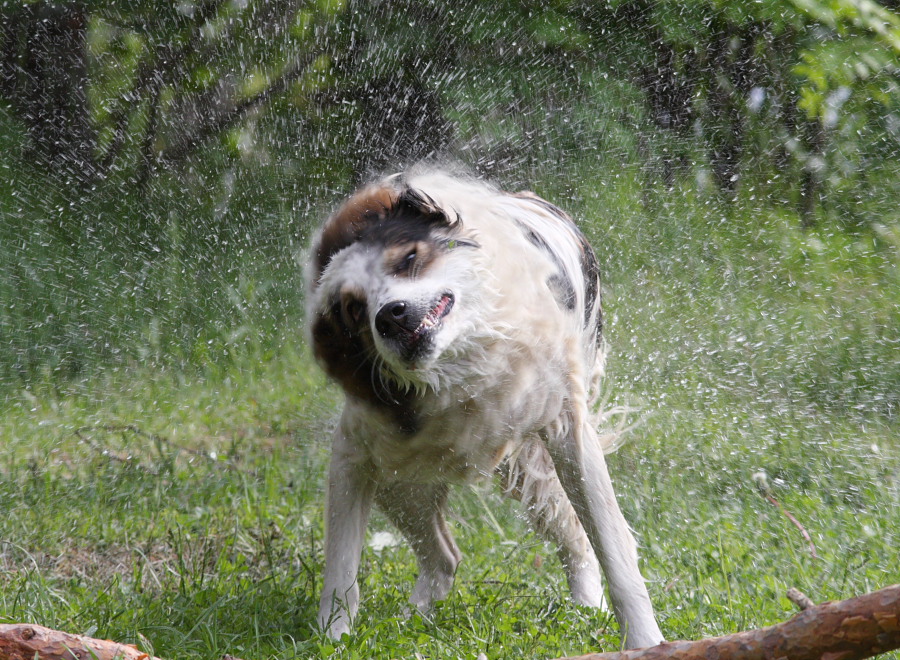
510, 386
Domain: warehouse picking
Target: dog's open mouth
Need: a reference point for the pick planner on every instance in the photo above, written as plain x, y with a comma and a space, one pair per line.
434, 316
411, 343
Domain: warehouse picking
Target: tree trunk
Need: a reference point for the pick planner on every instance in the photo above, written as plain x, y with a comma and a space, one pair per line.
844, 630
50, 93
401, 119
813, 171
725, 121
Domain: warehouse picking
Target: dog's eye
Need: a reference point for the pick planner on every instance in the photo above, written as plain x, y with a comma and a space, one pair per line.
407, 262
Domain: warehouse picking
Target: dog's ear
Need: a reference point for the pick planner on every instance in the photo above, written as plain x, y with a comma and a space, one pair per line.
411, 203
367, 207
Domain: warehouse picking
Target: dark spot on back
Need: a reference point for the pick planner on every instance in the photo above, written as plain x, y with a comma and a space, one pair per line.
591, 270
559, 283
563, 291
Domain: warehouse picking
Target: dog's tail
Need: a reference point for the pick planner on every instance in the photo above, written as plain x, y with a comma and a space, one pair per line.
611, 422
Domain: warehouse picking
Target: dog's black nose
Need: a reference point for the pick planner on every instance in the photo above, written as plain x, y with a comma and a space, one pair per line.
395, 317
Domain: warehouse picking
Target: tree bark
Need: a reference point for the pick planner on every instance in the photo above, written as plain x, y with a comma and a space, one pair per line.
844, 630
813, 171
50, 87
21, 641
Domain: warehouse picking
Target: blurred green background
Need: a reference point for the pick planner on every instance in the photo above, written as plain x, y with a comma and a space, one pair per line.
162, 163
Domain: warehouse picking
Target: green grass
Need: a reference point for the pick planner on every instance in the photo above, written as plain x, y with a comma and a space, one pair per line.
177, 503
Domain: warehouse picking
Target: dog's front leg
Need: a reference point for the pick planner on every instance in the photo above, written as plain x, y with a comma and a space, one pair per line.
349, 499
582, 470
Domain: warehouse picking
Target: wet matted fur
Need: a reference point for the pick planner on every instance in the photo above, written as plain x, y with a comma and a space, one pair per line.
464, 325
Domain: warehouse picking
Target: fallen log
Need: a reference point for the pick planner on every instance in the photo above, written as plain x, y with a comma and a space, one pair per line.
24, 641
842, 630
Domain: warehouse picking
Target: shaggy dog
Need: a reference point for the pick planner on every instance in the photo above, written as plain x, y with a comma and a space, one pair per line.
463, 324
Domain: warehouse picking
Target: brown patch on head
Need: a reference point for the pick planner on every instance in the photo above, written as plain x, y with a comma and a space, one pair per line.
345, 226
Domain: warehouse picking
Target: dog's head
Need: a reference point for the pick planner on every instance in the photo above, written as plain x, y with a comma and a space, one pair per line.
387, 284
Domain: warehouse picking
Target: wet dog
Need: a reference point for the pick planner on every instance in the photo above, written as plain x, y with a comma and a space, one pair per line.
464, 325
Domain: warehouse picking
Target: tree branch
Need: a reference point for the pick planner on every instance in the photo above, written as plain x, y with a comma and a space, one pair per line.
221, 119
146, 166
20, 640
151, 77
126, 105
23, 640
844, 630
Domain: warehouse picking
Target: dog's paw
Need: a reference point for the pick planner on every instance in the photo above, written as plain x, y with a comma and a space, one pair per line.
587, 588
334, 625
338, 629
412, 609
433, 585
643, 639
591, 599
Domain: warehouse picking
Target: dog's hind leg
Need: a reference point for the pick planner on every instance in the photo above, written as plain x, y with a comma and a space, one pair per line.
578, 456
417, 510
530, 477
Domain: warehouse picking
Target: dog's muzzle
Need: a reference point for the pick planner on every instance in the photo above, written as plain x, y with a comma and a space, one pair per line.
409, 325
